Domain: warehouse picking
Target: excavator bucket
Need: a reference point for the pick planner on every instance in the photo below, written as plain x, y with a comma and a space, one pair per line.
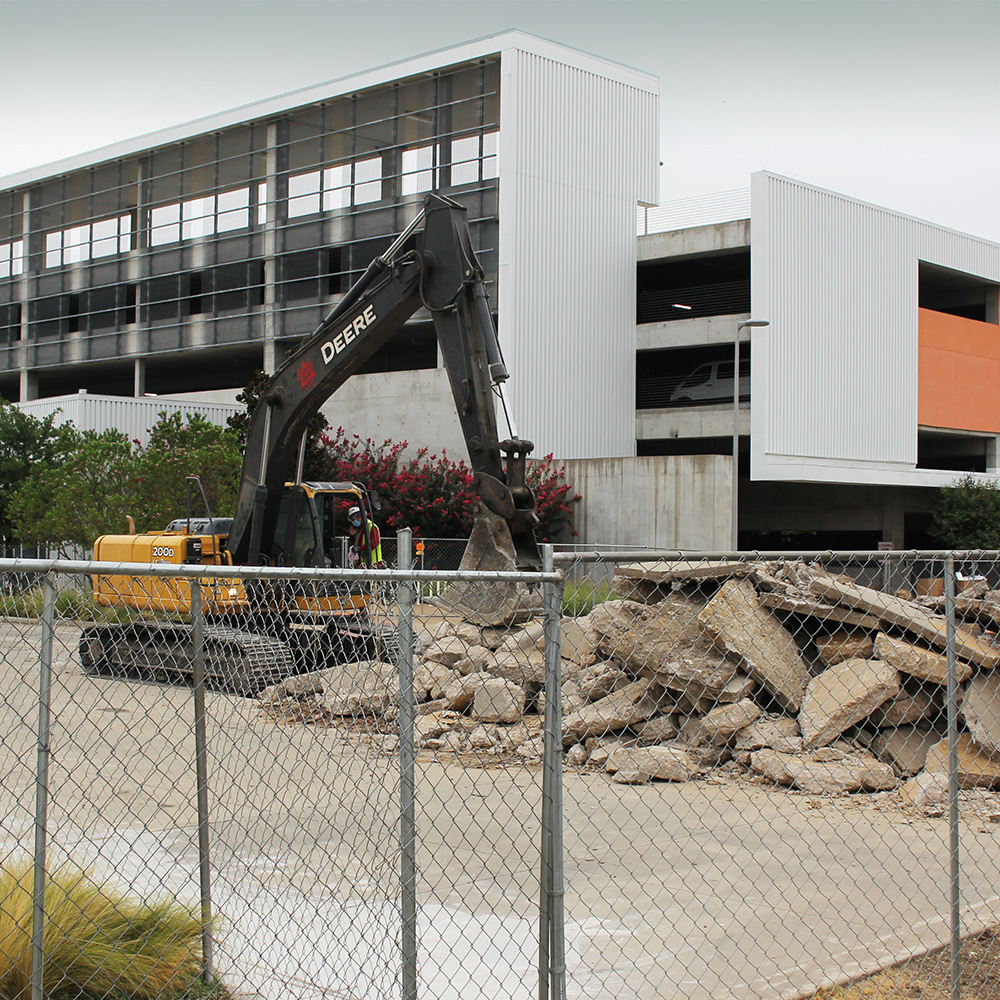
487, 602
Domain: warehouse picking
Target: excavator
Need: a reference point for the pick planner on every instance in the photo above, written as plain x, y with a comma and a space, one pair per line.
257, 631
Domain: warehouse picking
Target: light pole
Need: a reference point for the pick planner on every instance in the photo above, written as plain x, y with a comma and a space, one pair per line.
736, 424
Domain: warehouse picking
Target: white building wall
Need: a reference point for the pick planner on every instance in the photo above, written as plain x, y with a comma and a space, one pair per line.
834, 377
578, 151
135, 417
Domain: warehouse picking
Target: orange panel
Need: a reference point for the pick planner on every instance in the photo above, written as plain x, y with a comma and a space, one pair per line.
959, 373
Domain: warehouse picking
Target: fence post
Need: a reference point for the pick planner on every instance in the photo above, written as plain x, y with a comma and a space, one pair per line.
952, 694
42, 787
201, 772
551, 926
407, 783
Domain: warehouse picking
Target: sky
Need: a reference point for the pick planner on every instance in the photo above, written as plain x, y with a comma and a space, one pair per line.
895, 102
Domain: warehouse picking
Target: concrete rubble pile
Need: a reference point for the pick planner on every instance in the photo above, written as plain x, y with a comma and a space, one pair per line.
803, 677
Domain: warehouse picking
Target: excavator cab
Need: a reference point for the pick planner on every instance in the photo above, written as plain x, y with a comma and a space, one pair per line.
312, 527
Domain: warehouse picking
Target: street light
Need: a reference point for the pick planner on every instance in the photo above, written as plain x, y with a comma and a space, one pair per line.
736, 424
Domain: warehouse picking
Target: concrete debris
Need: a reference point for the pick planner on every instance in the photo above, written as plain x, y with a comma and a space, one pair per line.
918, 662
499, 700
980, 710
600, 679
766, 732
916, 701
745, 630
927, 790
637, 702
839, 646
665, 641
823, 774
659, 729
976, 768
803, 678
720, 725
461, 692
682, 572
639, 765
843, 695
905, 748
907, 615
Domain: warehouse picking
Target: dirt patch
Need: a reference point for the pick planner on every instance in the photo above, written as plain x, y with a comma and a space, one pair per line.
929, 976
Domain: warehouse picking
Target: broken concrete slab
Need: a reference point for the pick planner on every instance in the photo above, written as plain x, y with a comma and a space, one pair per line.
684, 571
766, 649
909, 616
927, 789
447, 650
980, 708
843, 695
600, 679
915, 702
918, 661
499, 700
657, 730
764, 732
811, 608
720, 725
976, 768
905, 748
826, 774
461, 692
574, 642
665, 641
839, 646
660, 762
637, 702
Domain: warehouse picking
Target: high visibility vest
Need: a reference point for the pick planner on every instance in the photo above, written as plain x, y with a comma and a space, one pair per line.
376, 540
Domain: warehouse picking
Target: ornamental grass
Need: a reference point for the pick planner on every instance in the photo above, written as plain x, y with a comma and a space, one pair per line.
98, 943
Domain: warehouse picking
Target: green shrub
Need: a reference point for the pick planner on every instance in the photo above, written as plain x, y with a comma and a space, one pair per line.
98, 943
581, 597
967, 515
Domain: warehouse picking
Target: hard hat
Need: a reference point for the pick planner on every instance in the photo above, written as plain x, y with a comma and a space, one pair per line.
353, 511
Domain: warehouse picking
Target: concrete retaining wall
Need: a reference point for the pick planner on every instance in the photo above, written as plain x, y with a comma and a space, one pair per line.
675, 501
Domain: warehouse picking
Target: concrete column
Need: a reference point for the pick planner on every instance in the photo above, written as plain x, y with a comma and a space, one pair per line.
893, 517
28, 380
29, 386
272, 322
139, 376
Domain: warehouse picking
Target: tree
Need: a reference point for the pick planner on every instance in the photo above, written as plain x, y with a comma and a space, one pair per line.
92, 482
25, 441
966, 515
86, 489
176, 450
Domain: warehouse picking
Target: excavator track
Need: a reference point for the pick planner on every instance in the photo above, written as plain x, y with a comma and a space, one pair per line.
236, 660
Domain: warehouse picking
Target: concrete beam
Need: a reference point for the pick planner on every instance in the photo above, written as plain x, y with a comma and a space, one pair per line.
703, 330
690, 422
697, 240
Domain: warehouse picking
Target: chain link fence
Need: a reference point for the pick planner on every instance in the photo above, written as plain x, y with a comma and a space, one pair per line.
719, 776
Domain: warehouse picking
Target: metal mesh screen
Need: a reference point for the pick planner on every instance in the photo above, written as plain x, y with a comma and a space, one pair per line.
693, 777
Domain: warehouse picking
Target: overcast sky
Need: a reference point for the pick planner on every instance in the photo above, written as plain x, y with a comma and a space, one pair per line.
891, 101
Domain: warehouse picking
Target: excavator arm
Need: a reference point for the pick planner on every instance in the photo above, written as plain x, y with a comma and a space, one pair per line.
442, 275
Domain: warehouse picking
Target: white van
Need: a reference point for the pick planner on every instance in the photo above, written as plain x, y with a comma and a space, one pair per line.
712, 381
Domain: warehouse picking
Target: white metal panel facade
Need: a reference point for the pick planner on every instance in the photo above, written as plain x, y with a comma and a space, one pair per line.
578, 151
134, 417
834, 377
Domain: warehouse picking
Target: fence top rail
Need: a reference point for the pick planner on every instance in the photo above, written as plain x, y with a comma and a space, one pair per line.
74, 567
853, 555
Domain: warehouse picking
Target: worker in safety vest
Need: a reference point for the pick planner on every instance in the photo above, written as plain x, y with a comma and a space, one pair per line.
358, 552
